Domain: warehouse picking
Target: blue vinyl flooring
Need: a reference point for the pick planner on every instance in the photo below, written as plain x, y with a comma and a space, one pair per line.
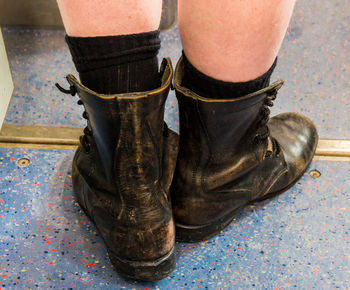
297, 240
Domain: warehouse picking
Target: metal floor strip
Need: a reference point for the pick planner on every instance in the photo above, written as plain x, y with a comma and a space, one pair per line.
65, 138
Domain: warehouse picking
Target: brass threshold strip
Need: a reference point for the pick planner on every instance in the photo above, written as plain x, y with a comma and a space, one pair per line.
331, 158
39, 137
65, 138
37, 140
39, 146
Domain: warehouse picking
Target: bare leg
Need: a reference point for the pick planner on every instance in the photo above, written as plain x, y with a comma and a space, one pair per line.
105, 17
233, 41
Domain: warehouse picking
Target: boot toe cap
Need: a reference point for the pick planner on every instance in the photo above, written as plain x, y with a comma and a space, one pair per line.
297, 137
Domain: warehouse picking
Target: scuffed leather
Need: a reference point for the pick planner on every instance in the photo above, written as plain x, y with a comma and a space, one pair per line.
296, 148
221, 167
123, 181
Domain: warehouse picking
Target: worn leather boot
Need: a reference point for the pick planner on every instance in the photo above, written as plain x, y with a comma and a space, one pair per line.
122, 172
231, 154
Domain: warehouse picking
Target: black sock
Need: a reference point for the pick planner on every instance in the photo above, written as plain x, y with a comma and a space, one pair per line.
117, 64
208, 87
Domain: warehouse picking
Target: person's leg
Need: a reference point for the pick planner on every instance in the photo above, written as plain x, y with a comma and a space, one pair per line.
114, 44
231, 153
232, 41
120, 175
100, 18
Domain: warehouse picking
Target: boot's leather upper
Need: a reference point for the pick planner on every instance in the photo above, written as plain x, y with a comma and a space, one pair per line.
123, 169
231, 154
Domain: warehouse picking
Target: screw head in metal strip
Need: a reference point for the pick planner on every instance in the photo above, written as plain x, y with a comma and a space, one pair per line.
314, 173
22, 162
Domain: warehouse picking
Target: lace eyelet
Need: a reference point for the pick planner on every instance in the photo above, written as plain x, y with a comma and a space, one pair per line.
87, 131
85, 115
274, 95
87, 148
269, 102
85, 144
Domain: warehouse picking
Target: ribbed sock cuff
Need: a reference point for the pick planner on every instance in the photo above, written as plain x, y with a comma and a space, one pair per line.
117, 64
208, 87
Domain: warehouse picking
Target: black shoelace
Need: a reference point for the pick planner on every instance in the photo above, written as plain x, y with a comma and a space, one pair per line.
87, 130
263, 131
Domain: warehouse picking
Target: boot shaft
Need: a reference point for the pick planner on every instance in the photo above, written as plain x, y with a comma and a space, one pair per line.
127, 129
220, 133
231, 154
130, 201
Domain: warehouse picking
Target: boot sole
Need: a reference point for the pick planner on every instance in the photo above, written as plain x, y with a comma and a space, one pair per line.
145, 270
194, 234
151, 270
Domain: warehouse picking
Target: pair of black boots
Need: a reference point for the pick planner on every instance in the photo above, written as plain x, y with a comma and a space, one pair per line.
142, 185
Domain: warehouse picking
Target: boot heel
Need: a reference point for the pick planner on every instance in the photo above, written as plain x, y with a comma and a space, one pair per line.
145, 270
194, 234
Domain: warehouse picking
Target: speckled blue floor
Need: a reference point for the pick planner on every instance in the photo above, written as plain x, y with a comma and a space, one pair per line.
314, 61
299, 239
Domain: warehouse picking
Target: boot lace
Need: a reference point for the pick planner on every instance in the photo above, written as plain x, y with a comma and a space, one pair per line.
87, 130
84, 139
263, 131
